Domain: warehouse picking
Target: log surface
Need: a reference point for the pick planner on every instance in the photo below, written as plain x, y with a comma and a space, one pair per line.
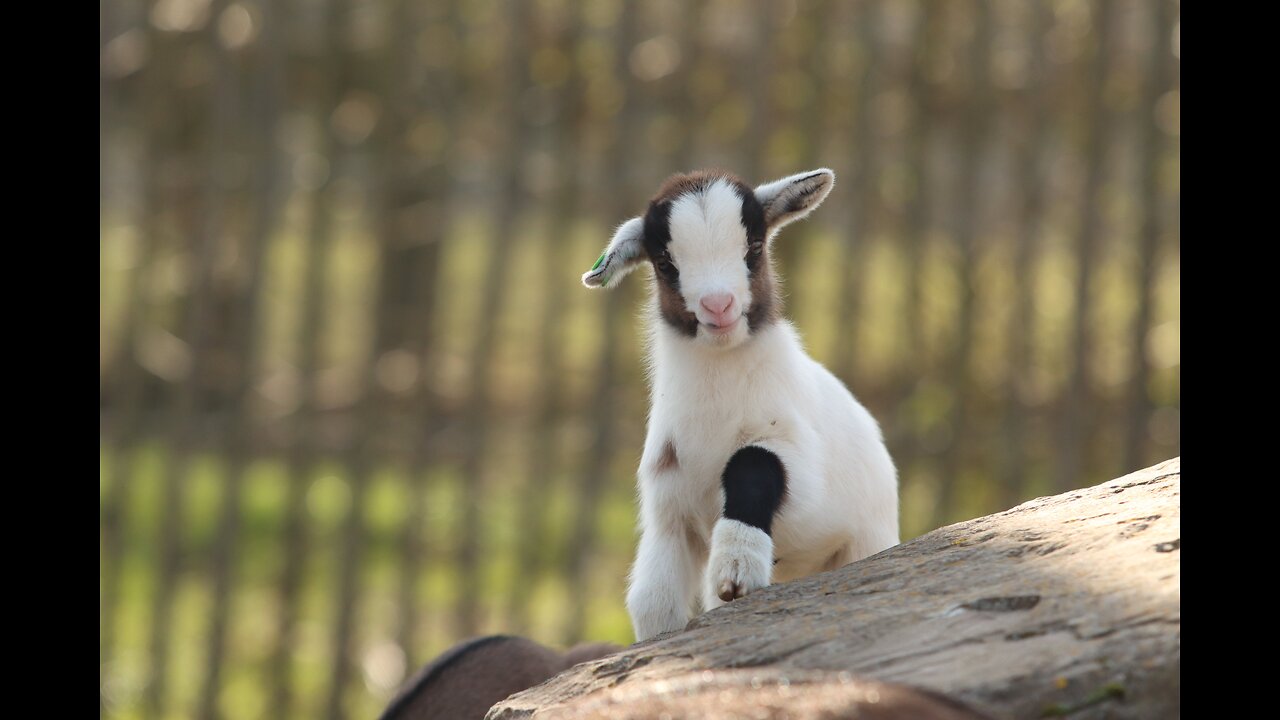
1063, 606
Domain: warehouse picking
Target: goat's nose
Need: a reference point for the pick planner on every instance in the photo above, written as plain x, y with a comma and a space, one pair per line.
717, 304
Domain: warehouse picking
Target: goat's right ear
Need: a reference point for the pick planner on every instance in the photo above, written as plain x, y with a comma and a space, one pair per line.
624, 254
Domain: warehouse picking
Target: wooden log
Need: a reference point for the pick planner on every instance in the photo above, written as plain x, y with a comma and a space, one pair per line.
1064, 605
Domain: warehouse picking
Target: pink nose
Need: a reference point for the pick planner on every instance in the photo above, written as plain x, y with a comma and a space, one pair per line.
718, 305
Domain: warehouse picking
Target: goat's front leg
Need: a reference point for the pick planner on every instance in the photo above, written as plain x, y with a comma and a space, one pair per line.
663, 583
664, 578
754, 483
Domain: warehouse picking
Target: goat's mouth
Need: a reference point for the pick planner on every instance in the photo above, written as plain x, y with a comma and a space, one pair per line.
714, 329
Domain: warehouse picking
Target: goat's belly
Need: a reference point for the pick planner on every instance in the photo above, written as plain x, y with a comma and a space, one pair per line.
800, 550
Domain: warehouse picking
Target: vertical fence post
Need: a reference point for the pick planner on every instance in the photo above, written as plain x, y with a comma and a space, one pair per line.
243, 316
476, 416
531, 522
202, 224
863, 193
973, 133
1070, 465
1013, 465
1150, 152
303, 447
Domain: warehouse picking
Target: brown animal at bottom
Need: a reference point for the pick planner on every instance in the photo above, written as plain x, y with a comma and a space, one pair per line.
468, 678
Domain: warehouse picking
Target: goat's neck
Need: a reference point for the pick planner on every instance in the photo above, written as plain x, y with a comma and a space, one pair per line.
676, 359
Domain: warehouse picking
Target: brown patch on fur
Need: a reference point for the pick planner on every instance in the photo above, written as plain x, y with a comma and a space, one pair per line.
686, 183
696, 542
766, 296
667, 460
672, 308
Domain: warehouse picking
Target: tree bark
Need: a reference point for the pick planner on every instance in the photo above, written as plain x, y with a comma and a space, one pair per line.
1063, 606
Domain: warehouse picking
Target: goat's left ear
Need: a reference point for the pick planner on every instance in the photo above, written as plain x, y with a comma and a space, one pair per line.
624, 254
792, 198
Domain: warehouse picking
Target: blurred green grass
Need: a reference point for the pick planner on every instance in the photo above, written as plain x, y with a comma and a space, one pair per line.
259, 563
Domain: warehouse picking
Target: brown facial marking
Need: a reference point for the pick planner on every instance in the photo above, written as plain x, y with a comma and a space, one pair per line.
766, 299
671, 306
685, 183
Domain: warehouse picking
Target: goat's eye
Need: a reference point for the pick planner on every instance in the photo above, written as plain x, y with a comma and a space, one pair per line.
664, 262
754, 249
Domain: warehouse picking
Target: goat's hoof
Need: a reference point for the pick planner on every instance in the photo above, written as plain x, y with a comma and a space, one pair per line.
741, 560
730, 591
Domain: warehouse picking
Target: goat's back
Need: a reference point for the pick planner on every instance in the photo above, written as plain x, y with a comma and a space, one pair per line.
467, 679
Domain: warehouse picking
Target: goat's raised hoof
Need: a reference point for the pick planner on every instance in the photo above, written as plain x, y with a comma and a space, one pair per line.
741, 559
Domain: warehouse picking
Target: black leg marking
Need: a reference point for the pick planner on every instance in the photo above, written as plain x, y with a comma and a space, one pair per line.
755, 485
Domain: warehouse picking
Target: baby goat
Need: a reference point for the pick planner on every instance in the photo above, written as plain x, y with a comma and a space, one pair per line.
759, 465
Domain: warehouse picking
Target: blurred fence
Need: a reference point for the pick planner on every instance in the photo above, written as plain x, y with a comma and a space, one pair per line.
356, 405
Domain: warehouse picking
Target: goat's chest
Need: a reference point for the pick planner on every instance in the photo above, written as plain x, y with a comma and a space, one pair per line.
707, 419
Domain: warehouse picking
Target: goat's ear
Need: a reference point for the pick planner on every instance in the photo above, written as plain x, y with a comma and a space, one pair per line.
794, 197
624, 254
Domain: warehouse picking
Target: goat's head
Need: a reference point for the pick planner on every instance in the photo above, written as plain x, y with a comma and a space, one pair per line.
707, 235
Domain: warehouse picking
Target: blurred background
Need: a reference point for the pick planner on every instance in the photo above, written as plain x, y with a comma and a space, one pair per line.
356, 405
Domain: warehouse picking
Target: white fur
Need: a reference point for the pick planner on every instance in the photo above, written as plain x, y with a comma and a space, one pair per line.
713, 395
741, 561
842, 489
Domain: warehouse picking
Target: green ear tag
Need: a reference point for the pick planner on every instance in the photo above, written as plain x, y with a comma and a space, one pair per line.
598, 261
